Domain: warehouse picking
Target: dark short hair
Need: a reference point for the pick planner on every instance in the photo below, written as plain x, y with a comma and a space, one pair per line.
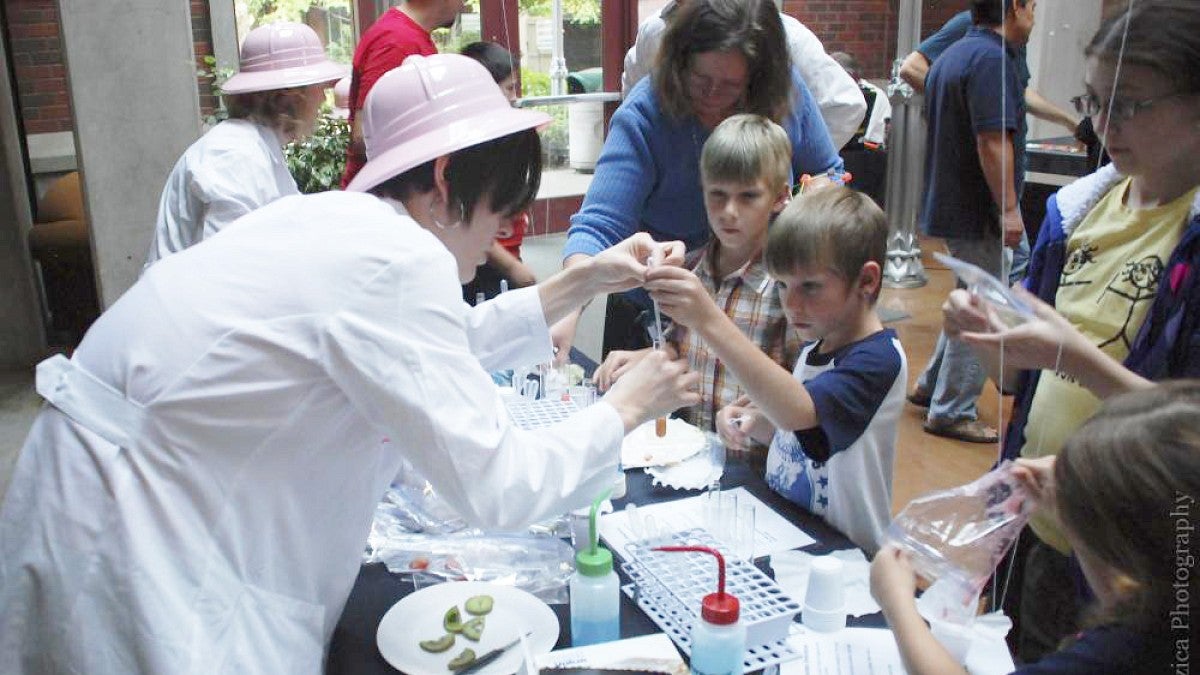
751, 28
498, 60
278, 109
991, 12
834, 227
1162, 35
1118, 481
506, 171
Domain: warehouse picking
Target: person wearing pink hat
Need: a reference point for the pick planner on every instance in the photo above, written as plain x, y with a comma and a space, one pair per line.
196, 495
239, 165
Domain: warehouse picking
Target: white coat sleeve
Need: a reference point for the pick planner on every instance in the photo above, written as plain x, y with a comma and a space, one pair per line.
510, 331
230, 185
842, 104
402, 357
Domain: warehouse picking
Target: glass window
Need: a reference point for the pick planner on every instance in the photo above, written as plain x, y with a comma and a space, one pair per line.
333, 20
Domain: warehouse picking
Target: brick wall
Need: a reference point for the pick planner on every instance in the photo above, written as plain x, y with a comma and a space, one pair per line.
36, 52
202, 45
866, 28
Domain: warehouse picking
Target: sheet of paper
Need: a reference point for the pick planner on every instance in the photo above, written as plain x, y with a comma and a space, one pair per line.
772, 532
654, 652
872, 651
861, 651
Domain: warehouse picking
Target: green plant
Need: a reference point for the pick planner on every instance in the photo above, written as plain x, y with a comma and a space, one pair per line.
317, 162
534, 83
215, 77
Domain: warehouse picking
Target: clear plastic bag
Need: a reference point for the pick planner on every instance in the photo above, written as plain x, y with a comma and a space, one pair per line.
1009, 308
957, 537
415, 532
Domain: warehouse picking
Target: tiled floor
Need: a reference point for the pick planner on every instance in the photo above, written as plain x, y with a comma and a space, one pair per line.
923, 462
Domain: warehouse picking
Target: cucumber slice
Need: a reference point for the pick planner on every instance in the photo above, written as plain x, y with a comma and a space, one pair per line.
465, 658
479, 604
473, 629
452, 621
439, 645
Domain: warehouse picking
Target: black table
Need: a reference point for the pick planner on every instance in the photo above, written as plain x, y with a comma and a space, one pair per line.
353, 648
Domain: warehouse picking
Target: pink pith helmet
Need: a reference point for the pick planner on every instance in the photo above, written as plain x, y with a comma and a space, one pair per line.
341, 98
429, 107
280, 56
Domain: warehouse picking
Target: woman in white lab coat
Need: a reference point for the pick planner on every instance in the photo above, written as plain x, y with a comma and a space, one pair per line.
196, 495
238, 165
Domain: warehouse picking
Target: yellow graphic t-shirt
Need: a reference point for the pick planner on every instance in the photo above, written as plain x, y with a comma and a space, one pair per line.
1115, 260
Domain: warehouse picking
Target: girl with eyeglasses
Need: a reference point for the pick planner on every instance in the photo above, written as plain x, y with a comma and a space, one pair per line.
1114, 278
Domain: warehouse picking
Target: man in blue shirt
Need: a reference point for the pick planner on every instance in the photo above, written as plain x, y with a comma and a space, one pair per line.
916, 66
975, 109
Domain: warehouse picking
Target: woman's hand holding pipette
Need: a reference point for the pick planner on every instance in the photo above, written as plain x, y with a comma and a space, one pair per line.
624, 266
653, 388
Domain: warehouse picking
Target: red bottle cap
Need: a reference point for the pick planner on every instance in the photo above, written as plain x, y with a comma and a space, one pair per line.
720, 608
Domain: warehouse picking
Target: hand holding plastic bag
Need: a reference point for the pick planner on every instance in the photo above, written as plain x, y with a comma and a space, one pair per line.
959, 536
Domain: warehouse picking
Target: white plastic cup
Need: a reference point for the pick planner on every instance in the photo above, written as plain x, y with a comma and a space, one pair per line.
825, 600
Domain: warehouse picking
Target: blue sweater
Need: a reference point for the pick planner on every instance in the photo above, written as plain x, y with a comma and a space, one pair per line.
648, 174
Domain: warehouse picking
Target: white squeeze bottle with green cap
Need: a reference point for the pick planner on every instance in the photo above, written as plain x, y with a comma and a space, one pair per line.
595, 592
718, 637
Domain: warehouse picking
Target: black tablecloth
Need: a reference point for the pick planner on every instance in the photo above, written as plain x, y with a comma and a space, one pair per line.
353, 647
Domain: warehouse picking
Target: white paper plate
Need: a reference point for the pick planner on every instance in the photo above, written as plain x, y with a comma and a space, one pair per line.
642, 447
418, 616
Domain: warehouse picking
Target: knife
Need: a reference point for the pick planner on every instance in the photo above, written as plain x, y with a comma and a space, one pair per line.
488, 657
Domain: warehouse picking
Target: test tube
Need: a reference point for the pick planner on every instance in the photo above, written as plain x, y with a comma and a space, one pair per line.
660, 424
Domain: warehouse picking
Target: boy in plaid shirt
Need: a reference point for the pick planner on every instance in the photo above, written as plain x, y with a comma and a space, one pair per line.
745, 168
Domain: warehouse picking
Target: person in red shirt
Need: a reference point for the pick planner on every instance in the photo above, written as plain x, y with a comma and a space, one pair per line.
400, 32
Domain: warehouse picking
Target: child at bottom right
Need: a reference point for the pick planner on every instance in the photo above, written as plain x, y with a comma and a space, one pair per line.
1123, 489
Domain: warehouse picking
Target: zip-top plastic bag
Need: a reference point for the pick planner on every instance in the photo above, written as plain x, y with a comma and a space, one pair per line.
957, 537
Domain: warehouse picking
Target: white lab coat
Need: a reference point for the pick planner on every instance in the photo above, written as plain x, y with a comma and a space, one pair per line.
842, 104
235, 168
210, 512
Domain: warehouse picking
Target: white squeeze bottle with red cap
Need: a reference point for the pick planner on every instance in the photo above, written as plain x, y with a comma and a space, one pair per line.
718, 638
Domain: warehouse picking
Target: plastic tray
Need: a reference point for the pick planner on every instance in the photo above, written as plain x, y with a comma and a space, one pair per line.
535, 414
670, 587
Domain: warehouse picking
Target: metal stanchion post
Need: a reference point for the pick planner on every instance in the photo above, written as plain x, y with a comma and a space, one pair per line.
906, 153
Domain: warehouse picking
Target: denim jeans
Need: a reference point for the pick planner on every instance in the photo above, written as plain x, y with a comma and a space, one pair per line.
953, 375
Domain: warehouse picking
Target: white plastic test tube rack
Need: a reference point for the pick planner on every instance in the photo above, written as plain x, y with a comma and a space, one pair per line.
670, 587
535, 414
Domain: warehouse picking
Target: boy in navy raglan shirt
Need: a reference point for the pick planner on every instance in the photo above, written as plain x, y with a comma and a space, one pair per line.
832, 422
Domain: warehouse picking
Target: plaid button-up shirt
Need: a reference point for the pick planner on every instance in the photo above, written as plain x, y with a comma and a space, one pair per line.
750, 298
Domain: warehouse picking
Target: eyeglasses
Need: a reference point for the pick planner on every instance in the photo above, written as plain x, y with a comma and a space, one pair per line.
1121, 109
710, 86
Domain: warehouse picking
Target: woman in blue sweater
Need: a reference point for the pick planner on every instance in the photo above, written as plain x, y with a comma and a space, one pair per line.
718, 58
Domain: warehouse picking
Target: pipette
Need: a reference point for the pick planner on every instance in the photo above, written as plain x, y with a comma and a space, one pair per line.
656, 338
